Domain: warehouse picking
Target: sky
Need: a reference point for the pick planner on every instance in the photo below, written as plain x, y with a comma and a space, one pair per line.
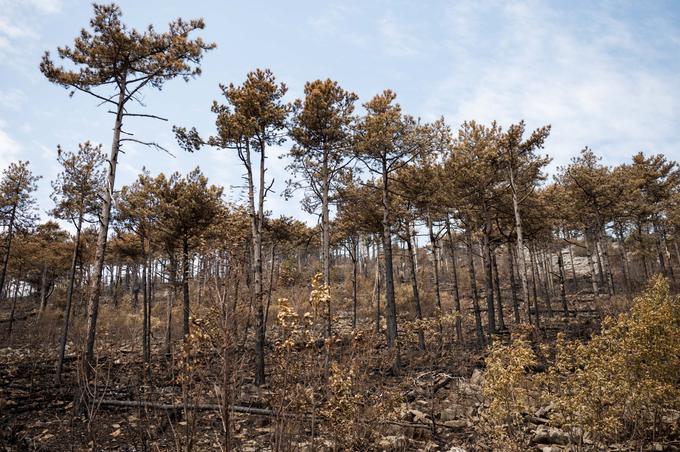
605, 74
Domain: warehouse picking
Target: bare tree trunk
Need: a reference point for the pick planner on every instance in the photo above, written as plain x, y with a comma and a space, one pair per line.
513, 286
546, 280
8, 248
624, 260
271, 284
355, 278
563, 294
600, 267
414, 287
257, 260
574, 280
602, 249
378, 283
454, 274
146, 352
17, 284
435, 272
520, 244
69, 299
473, 288
488, 278
170, 301
534, 276
390, 302
591, 265
659, 251
497, 287
100, 253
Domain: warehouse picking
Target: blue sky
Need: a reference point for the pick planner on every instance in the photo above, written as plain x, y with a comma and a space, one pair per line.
604, 74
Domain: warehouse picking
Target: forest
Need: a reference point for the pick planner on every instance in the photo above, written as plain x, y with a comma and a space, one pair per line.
454, 294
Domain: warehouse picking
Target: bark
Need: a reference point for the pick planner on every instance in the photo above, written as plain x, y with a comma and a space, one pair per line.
591, 265
355, 278
100, 253
534, 276
598, 260
488, 278
185, 288
513, 285
573, 269
43, 289
435, 272
146, 352
271, 284
454, 274
8, 248
602, 249
563, 294
378, 283
546, 280
666, 252
473, 289
390, 302
659, 251
14, 305
520, 244
624, 260
414, 286
497, 287
257, 273
69, 300
170, 301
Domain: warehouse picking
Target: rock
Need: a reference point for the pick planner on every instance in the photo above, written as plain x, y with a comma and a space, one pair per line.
388, 443
544, 410
410, 396
417, 416
477, 377
457, 424
549, 435
658, 447
549, 448
456, 449
448, 414
431, 446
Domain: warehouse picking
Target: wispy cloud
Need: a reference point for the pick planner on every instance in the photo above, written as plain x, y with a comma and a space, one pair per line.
10, 149
19, 27
589, 81
398, 39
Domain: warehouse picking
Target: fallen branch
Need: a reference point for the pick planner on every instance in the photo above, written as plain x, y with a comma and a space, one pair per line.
177, 407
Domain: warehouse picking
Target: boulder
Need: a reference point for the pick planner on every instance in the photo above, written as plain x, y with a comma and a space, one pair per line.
549, 435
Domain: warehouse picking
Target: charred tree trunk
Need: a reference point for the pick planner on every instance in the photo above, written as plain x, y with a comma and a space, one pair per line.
454, 275
473, 288
414, 286
497, 287
69, 300
513, 286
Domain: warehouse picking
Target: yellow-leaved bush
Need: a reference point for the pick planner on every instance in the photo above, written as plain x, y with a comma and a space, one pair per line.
622, 385
508, 388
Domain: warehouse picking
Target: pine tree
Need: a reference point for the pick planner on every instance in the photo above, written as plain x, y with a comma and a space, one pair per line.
17, 207
75, 193
252, 120
114, 64
386, 141
321, 127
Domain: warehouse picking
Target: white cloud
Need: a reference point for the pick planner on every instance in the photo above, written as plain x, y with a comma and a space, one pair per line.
398, 39
47, 6
591, 85
12, 99
19, 24
10, 149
